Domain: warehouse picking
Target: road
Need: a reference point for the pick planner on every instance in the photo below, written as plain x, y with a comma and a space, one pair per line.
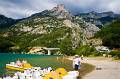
105, 68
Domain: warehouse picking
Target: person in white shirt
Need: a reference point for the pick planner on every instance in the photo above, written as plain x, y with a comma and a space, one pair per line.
76, 62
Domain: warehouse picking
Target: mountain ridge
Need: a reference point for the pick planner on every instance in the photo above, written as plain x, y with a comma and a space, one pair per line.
6, 22
99, 19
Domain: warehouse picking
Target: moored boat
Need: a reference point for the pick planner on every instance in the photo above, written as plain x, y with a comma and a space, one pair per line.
18, 66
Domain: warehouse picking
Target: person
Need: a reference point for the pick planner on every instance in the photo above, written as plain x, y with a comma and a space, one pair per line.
82, 57
18, 63
76, 62
57, 58
24, 61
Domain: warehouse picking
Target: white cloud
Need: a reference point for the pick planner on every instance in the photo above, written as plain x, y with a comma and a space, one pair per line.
18, 10
114, 6
97, 5
24, 8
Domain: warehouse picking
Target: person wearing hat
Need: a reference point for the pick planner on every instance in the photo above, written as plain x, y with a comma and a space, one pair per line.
76, 62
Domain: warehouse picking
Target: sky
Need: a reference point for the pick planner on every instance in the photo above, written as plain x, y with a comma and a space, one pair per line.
23, 8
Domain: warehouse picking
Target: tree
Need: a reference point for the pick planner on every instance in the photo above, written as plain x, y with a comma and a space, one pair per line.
5, 46
66, 46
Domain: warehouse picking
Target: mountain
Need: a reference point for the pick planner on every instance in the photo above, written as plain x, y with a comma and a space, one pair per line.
50, 28
6, 22
99, 19
59, 12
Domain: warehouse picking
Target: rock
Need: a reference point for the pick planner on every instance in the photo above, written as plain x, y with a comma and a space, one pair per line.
90, 30
98, 68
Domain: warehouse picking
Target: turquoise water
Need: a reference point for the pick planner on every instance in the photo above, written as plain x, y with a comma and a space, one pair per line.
35, 60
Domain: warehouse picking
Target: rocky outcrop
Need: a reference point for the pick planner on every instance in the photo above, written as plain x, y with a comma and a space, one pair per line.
59, 12
87, 29
90, 30
76, 33
95, 41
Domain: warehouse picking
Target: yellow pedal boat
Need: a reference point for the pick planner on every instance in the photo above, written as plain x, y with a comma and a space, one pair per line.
18, 68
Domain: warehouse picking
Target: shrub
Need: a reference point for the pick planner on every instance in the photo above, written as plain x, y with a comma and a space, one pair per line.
115, 54
85, 50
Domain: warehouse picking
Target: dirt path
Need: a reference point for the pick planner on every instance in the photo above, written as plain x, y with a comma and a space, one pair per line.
106, 69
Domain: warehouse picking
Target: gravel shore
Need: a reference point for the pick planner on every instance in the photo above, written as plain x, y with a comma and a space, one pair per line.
105, 69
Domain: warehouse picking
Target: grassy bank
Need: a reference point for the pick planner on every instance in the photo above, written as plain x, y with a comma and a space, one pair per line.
85, 69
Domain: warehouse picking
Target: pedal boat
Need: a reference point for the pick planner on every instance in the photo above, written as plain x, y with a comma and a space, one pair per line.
18, 68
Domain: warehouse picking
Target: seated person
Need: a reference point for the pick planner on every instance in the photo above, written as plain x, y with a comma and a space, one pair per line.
18, 63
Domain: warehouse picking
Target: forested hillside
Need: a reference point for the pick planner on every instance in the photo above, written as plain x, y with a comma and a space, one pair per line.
110, 35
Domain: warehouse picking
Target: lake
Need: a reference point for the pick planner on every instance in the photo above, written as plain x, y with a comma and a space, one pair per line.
35, 60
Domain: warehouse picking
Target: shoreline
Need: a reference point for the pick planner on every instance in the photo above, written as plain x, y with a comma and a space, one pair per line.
105, 68
86, 69
102, 66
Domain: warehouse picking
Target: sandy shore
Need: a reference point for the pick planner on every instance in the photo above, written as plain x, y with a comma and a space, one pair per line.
105, 68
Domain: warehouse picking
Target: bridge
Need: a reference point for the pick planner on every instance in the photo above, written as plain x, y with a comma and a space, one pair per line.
50, 49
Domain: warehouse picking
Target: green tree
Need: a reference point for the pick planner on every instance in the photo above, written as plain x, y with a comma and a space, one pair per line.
5, 45
66, 46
